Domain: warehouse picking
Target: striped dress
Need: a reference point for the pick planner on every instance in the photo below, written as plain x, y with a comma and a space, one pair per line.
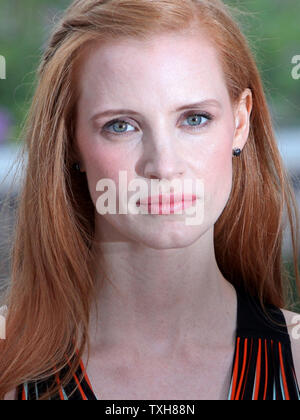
262, 367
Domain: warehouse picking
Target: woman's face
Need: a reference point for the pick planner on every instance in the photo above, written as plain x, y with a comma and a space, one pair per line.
154, 139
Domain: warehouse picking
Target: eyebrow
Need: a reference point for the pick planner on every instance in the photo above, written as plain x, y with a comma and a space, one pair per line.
110, 112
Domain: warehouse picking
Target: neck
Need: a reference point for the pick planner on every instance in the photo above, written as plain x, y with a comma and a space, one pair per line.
163, 301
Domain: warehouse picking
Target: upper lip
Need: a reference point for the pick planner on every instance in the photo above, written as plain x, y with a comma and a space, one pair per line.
167, 198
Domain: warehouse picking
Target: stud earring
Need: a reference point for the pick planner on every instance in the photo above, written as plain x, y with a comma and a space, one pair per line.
236, 152
76, 167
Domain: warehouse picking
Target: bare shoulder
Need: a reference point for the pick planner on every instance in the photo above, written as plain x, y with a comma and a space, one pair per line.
293, 324
11, 396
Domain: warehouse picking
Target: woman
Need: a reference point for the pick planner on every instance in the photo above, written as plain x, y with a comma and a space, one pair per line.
112, 305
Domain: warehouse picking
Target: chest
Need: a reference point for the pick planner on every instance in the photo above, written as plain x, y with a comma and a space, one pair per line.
207, 378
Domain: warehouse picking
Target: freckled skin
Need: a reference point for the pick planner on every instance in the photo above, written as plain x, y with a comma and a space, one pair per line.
120, 75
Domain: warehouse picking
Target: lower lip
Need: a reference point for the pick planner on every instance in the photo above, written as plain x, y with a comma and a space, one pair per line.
172, 208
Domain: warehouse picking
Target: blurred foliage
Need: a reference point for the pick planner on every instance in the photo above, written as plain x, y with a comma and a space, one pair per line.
272, 28
273, 31
24, 29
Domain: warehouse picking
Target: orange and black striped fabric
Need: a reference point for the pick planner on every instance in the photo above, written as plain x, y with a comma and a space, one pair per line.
75, 390
262, 367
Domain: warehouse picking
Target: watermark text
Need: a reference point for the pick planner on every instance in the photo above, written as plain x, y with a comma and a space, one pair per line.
3, 314
296, 69
2, 67
107, 201
296, 328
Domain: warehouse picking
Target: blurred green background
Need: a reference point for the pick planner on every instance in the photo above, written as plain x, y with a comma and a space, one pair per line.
271, 26
24, 28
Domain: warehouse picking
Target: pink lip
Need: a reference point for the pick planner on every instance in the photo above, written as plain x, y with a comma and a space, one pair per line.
167, 199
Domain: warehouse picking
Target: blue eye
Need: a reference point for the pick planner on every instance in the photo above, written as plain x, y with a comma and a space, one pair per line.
119, 126
196, 120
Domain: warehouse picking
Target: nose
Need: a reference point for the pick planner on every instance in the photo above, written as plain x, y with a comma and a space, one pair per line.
162, 162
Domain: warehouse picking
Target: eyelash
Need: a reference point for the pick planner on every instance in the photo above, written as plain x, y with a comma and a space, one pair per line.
206, 115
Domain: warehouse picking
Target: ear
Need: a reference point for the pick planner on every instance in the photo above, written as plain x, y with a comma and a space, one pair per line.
242, 119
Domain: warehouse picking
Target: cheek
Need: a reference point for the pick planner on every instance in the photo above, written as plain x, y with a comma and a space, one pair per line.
214, 154
218, 183
215, 170
219, 159
218, 177
105, 163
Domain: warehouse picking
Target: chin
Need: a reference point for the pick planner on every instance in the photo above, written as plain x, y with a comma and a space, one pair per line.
169, 238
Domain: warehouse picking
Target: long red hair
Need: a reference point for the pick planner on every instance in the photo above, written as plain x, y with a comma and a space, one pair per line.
50, 292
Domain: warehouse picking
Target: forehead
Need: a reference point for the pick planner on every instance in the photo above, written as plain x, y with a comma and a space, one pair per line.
166, 63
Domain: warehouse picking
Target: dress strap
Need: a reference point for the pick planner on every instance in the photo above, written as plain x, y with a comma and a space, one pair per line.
254, 320
263, 367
